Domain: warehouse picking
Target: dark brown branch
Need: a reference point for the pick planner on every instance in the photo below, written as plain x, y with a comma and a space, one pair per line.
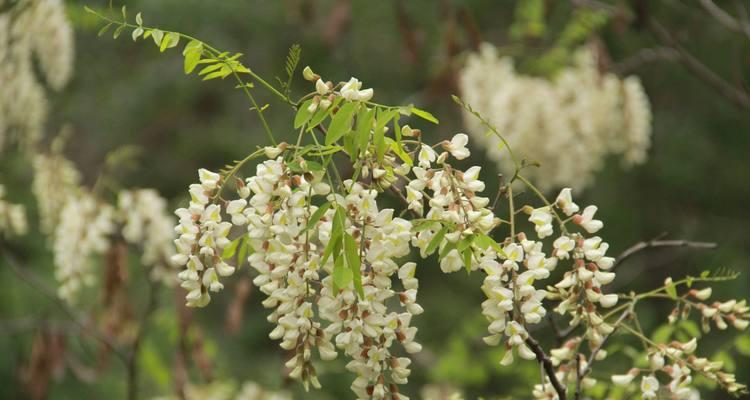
640, 246
698, 68
132, 362
40, 286
725, 19
549, 369
643, 57
581, 373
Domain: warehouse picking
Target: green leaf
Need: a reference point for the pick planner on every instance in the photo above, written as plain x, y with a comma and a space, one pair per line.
353, 261
396, 148
742, 344
104, 29
124, 13
210, 68
118, 31
671, 290
691, 328
424, 115
726, 358
231, 249
423, 226
436, 240
337, 232
170, 40
157, 35
192, 53
341, 122
449, 246
139, 19
384, 117
303, 114
364, 126
137, 32
321, 114
316, 216
662, 333
342, 275
245, 248
466, 256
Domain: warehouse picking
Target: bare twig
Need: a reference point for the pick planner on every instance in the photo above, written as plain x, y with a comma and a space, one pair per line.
640, 246
643, 57
698, 68
132, 362
592, 357
549, 369
725, 19
39, 285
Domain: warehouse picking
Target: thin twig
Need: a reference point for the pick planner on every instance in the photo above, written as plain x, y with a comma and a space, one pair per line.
643, 57
592, 357
698, 68
132, 364
39, 285
640, 246
549, 369
725, 19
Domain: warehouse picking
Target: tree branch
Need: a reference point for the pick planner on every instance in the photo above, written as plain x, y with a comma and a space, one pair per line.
642, 57
39, 285
725, 19
698, 68
549, 369
640, 246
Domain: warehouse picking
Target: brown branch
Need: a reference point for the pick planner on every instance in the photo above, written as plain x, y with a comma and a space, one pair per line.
640, 246
643, 57
549, 369
581, 373
698, 68
724, 18
132, 362
40, 286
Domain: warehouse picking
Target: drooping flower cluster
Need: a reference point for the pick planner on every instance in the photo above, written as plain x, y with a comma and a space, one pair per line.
83, 230
55, 180
82, 225
569, 123
32, 31
12, 217
363, 326
203, 237
147, 224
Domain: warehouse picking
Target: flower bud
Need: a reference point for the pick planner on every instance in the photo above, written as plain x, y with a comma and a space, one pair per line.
309, 75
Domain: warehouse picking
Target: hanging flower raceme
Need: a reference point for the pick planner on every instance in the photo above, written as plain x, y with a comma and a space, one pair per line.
12, 217
37, 38
203, 237
83, 230
147, 224
569, 123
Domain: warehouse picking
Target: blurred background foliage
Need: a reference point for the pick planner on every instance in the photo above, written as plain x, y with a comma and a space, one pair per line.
695, 184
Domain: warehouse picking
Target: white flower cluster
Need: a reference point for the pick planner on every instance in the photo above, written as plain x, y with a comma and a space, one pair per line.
288, 260
288, 252
364, 328
83, 230
677, 361
147, 224
81, 225
570, 123
55, 180
32, 31
12, 217
203, 237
